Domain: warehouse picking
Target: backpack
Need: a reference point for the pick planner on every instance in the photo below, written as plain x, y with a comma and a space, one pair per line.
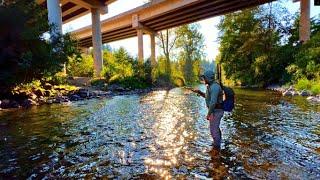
228, 102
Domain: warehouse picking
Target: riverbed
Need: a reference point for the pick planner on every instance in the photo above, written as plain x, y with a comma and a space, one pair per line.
162, 134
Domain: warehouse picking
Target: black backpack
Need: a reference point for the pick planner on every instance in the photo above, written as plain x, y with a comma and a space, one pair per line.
228, 102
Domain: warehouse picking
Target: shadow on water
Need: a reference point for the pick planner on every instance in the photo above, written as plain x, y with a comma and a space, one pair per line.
162, 134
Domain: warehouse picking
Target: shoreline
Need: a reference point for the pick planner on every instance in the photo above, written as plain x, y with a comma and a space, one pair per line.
62, 96
291, 92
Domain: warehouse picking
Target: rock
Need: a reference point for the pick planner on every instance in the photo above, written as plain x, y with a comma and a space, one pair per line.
5, 104
47, 86
33, 96
315, 99
115, 87
294, 93
287, 93
47, 93
84, 93
14, 104
291, 88
305, 93
38, 93
49, 101
28, 103
75, 97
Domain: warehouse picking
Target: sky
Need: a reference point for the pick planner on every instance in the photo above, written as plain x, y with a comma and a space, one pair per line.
208, 27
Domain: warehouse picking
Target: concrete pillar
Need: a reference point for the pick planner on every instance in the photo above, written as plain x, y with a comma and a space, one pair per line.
54, 16
140, 46
97, 41
153, 50
304, 31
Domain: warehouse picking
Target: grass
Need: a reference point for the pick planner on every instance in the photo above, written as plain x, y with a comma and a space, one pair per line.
311, 85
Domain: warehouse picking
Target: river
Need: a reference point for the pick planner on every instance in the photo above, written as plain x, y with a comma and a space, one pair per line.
162, 134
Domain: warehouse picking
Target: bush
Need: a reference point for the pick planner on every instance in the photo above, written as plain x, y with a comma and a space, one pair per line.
83, 67
315, 89
303, 84
311, 85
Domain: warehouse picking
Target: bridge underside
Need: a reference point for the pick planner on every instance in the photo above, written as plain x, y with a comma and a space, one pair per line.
192, 12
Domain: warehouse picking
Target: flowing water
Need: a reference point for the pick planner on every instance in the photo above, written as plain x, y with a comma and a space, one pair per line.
162, 134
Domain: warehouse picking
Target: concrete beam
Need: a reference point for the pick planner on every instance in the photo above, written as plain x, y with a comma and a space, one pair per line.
87, 4
137, 25
304, 27
97, 41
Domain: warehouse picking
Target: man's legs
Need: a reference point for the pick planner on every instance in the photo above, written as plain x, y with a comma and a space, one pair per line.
215, 129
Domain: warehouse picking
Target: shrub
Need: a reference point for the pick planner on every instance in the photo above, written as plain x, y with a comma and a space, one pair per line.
315, 89
303, 84
83, 67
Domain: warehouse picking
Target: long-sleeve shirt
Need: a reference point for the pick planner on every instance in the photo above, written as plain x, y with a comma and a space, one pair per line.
213, 96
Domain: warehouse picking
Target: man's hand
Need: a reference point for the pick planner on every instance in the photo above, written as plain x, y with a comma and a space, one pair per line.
210, 117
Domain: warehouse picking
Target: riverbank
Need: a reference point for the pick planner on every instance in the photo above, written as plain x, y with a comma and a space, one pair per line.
52, 94
291, 91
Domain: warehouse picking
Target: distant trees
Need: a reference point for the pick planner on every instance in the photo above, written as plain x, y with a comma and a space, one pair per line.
190, 42
182, 52
24, 52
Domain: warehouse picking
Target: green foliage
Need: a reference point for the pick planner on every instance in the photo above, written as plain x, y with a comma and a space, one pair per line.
303, 84
81, 67
191, 43
312, 85
24, 53
118, 65
307, 60
250, 49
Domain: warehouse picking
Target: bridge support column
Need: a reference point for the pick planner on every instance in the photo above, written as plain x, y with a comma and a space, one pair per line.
97, 41
153, 50
55, 17
140, 46
304, 27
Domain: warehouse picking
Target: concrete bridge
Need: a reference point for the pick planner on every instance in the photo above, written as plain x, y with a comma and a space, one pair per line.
147, 19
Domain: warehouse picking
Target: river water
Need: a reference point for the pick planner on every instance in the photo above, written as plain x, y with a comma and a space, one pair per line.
162, 134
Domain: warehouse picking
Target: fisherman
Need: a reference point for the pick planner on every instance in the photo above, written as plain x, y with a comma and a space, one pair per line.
214, 100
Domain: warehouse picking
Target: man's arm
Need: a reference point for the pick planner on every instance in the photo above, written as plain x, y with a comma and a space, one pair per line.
200, 93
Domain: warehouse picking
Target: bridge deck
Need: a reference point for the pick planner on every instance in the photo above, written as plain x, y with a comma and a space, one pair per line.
163, 14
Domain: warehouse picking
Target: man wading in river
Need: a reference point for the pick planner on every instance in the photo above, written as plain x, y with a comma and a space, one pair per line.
214, 100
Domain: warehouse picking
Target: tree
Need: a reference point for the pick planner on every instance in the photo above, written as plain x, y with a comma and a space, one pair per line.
251, 48
167, 40
191, 43
24, 52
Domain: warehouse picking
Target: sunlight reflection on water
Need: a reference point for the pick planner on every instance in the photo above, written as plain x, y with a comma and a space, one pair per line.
162, 134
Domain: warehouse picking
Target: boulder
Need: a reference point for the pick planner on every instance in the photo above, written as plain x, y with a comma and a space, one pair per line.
287, 93
14, 104
47, 86
295, 93
74, 97
84, 93
39, 93
47, 93
5, 104
305, 93
28, 103
33, 96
